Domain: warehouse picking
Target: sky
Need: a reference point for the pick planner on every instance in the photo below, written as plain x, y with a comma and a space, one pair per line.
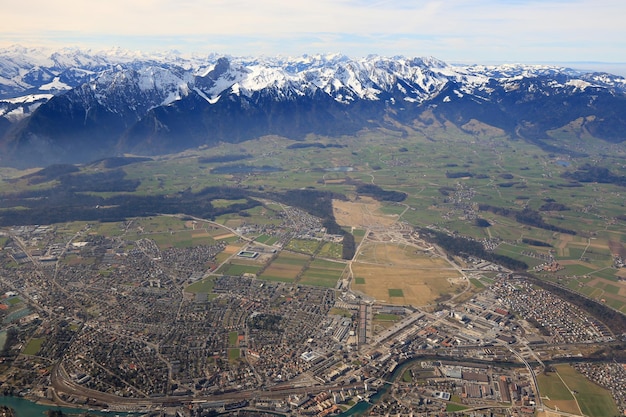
457, 31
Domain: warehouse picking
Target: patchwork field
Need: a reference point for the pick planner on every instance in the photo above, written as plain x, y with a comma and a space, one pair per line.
323, 273
400, 274
266, 239
286, 267
331, 250
228, 251
307, 246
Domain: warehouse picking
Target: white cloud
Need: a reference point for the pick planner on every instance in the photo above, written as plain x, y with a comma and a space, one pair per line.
521, 30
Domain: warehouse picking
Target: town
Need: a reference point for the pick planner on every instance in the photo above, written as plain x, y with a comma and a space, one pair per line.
116, 320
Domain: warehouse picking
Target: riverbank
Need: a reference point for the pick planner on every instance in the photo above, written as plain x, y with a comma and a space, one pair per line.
25, 407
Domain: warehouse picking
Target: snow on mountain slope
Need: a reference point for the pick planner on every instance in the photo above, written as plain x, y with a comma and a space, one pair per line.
18, 108
136, 99
28, 70
130, 91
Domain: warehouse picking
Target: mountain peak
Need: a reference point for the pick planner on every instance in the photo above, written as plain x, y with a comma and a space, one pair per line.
118, 101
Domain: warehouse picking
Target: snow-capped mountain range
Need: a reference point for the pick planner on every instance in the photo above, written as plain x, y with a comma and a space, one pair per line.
71, 105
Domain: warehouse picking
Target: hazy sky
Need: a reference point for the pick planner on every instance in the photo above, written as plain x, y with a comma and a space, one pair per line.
476, 31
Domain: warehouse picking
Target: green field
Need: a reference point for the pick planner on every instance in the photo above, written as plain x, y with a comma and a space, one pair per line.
33, 346
234, 354
594, 400
226, 203
515, 252
203, 286
395, 292
323, 273
13, 301
477, 283
331, 250
286, 267
552, 387
266, 239
233, 339
452, 408
359, 234
306, 246
236, 270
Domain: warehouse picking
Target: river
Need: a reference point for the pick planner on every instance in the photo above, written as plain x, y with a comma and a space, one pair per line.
27, 408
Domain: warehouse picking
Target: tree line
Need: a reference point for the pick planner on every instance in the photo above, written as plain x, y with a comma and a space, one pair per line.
526, 216
380, 194
462, 246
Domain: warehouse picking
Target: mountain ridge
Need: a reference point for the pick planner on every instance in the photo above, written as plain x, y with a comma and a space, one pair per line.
73, 106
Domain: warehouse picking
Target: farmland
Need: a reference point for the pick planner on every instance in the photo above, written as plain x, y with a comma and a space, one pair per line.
323, 273
571, 392
286, 267
504, 174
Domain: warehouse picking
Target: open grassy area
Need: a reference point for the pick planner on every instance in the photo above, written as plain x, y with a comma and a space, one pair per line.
238, 269
219, 202
340, 312
234, 354
451, 407
331, 250
13, 301
555, 393
33, 346
286, 267
566, 387
233, 339
477, 283
202, 286
323, 273
266, 239
307, 246
396, 292
594, 400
